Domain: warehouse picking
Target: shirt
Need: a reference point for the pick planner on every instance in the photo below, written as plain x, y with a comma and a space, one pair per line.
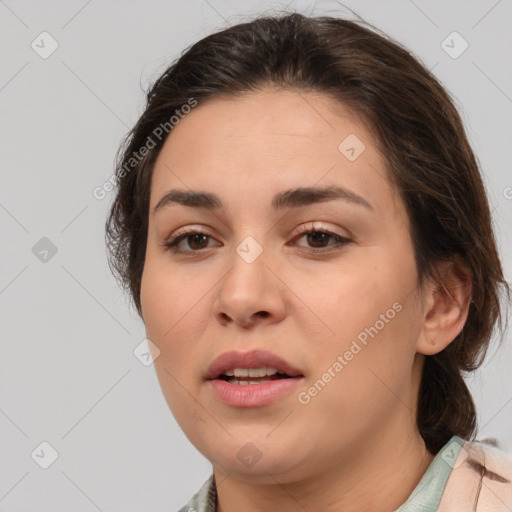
457, 464
427, 494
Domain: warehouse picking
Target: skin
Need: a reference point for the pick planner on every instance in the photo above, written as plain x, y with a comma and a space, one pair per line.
355, 446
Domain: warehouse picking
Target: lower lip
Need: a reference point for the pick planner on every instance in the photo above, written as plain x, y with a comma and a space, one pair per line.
252, 395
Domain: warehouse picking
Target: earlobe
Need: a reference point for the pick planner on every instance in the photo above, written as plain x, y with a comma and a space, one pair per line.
446, 305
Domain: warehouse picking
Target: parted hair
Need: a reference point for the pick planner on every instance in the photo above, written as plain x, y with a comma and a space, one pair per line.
418, 131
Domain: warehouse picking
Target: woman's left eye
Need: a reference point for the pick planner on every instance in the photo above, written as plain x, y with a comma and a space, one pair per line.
198, 240
317, 237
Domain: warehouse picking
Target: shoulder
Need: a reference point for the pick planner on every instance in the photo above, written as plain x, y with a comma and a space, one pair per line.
482, 475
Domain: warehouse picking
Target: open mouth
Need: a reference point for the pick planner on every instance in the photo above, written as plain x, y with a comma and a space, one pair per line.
251, 379
243, 377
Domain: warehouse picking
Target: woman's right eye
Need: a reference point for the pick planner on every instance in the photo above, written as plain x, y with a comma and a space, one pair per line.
192, 237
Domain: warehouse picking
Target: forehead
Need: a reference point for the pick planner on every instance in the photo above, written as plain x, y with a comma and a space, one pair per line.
270, 116
271, 140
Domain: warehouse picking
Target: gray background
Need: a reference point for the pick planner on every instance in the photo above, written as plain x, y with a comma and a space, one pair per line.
68, 373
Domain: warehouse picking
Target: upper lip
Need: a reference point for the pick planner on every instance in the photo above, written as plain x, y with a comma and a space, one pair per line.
251, 359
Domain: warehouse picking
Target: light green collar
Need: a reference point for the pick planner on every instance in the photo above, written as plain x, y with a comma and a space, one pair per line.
427, 494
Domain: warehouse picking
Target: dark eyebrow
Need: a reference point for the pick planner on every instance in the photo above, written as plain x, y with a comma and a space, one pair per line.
293, 198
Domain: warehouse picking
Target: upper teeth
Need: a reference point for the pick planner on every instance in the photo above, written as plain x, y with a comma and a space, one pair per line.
250, 372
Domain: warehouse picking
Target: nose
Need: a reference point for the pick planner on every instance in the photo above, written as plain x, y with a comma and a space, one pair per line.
250, 293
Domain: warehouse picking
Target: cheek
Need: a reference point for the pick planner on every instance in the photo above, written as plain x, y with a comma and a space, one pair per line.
170, 318
166, 293
371, 359
164, 302
175, 307
156, 299
351, 296
367, 312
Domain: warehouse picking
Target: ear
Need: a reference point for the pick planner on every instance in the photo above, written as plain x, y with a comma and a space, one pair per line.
446, 304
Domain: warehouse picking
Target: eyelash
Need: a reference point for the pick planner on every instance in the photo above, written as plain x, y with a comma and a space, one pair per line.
172, 243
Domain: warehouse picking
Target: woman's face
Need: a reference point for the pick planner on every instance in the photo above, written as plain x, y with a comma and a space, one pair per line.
339, 305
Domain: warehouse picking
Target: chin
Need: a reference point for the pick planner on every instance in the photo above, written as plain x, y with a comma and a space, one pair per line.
256, 461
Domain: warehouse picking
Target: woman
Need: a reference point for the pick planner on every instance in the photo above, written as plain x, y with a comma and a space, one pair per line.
312, 255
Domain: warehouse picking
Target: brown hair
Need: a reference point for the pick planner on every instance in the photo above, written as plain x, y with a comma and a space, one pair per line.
420, 135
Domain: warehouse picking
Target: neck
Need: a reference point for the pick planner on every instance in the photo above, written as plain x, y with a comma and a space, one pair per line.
379, 474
